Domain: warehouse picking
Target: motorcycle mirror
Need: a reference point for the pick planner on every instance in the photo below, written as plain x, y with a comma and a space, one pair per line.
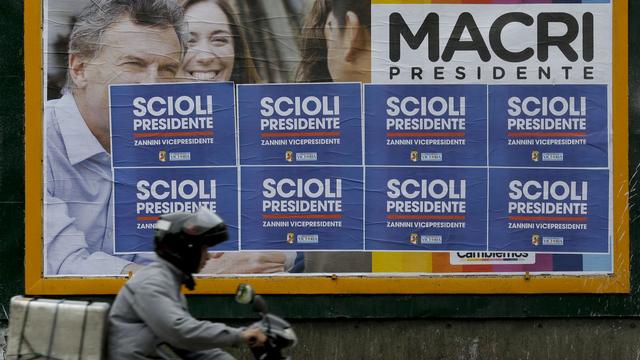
245, 294
259, 305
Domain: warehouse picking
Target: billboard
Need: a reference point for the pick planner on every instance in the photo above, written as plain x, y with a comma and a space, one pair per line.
360, 138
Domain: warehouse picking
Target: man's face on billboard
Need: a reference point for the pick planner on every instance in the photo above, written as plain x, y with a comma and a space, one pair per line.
130, 54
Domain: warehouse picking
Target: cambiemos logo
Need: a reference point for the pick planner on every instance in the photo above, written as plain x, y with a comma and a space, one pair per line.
491, 258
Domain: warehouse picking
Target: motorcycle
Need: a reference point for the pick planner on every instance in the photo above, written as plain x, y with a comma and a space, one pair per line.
280, 334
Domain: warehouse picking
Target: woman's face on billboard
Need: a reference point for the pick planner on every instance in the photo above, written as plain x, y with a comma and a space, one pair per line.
210, 52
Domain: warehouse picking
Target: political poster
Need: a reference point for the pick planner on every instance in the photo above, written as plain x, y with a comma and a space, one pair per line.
141, 195
426, 209
543, 210
426, 124
190, 124
289, 124
507, 42
302, 208
548, 125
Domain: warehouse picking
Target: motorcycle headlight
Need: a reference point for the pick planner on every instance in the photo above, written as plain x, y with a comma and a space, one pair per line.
291, 335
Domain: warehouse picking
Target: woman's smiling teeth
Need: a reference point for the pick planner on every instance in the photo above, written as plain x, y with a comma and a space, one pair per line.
204, 75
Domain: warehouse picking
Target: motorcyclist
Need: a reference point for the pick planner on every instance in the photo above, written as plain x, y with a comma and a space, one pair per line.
149, 318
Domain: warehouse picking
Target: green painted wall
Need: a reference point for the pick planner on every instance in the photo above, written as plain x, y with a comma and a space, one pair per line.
309, 307
11, 152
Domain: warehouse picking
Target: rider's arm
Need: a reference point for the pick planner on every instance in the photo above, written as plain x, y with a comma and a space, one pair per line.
166, 316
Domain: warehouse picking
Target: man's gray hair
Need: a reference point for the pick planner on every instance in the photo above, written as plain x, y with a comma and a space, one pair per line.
86, 37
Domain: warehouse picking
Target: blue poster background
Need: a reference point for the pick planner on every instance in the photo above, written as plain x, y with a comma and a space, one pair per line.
196, 146
590, 240
594, 153
283, 233
387, 147
415, 235
278, 147
129, 238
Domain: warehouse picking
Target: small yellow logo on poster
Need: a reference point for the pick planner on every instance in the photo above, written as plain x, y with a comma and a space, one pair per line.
535, 239
162, 155
414, 155
290, 238
413, 238
288, 155
535, 155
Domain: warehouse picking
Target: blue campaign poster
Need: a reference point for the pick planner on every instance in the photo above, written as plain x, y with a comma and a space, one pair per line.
182, 124
412, 209
548, 125
425, 124
302, 208
547, 210
142, 195
300, 124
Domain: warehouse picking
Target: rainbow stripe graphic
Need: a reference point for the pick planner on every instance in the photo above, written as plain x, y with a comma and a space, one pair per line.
490, 1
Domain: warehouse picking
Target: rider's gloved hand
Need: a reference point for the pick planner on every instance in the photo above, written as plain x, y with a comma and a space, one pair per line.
254, 337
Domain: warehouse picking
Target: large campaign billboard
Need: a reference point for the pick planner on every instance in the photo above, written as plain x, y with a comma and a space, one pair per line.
371, 137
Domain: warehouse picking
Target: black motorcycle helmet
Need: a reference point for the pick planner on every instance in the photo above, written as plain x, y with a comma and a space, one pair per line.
179, 238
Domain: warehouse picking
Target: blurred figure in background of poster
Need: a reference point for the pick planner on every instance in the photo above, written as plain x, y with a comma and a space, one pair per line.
217, 50
336, 42
112, 42
336, 46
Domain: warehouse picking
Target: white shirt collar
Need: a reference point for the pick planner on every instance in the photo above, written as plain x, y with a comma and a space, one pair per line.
79, 142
